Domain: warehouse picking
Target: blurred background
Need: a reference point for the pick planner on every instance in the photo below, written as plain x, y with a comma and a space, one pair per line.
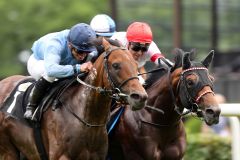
202, 24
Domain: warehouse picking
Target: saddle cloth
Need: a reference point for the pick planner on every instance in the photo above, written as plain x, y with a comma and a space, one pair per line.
15, 104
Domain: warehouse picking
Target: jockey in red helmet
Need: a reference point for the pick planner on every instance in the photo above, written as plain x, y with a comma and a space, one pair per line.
139, 32
139, 40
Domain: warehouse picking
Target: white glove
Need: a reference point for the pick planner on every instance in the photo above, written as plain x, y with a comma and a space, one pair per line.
164, 62
91, 55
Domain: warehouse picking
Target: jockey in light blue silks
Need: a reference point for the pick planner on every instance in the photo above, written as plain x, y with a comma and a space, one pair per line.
58, 55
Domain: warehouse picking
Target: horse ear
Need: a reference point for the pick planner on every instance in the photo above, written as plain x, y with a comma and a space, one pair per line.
186, 61
206, 62
193, 54
178, 57
105, 44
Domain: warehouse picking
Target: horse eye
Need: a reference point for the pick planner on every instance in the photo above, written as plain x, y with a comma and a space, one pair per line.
116, 66
190, 82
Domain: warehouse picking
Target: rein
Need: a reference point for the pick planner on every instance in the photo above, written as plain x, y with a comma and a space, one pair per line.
83, 121
152, 71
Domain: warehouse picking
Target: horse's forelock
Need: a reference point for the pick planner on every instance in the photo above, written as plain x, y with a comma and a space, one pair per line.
179, 53
97, 42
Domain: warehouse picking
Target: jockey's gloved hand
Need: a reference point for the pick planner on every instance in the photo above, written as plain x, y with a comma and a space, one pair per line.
164, 62
92, 56
86, 67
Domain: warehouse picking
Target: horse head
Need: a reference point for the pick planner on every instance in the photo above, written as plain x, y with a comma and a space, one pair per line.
194, 86
120, 72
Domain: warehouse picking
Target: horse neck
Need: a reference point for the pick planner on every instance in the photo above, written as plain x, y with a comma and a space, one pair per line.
90, 104
160, 96
98, 105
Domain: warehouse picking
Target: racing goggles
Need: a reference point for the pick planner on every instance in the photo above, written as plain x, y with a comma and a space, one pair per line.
78, 51
136, 46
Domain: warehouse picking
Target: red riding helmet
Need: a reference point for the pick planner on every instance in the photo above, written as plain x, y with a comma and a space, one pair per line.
139, 32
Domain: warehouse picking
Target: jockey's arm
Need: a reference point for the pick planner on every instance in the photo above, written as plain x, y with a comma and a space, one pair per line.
157, 57
53, 67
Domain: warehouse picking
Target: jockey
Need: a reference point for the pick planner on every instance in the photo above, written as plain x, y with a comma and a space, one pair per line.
103, 25
58, 55
139, 41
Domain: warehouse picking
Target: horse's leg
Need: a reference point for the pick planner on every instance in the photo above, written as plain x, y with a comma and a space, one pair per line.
176, 150
7, 150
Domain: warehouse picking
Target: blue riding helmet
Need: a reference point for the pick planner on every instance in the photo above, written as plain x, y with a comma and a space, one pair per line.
80, 36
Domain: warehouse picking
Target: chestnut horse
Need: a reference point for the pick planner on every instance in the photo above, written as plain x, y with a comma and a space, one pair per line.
157, 132
77, 128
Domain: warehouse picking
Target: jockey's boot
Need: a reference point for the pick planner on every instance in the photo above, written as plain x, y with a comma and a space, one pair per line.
35, 96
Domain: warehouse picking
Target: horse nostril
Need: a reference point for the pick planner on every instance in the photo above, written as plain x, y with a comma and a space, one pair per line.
135, 96
210, 111
142, 97
213, 111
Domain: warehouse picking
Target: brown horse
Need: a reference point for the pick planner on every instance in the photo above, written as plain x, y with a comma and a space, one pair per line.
157, 131
77, 128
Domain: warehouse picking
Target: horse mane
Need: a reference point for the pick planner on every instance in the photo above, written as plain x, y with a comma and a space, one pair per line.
98, 43
155, 76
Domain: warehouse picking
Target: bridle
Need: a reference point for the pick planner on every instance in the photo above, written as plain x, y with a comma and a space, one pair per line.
114, 93
114, 84
188, 96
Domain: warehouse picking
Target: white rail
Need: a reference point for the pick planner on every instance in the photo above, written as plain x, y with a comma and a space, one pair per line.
232, 110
